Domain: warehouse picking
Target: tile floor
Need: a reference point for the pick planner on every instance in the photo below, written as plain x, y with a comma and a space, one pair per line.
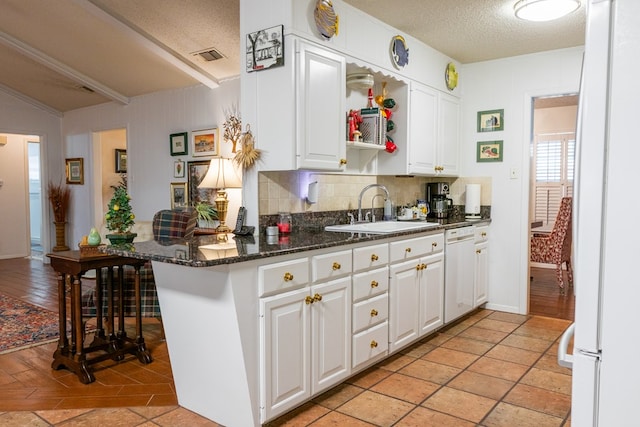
492, 369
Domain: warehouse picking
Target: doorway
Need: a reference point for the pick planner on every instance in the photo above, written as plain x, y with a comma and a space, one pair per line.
35, 198
552, 160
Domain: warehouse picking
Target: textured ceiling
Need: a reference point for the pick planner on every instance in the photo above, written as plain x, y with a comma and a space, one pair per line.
476, 30
67, 54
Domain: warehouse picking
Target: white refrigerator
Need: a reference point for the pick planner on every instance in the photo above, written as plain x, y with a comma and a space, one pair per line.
606, 340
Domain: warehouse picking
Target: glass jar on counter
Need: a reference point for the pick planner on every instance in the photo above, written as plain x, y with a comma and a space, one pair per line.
284, 222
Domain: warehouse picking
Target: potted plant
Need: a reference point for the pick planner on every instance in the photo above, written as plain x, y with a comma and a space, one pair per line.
120, 217
60, 198
206, 214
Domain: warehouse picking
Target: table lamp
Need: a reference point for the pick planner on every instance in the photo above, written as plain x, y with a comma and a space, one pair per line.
221, 175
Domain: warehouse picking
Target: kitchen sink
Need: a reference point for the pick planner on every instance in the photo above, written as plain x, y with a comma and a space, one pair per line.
383, 227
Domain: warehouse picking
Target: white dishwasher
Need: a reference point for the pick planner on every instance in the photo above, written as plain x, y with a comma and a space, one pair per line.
459, 261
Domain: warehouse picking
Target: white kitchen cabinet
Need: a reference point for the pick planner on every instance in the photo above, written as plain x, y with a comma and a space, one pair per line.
320, 101
432, 143
306, 333
416, 289
481, 274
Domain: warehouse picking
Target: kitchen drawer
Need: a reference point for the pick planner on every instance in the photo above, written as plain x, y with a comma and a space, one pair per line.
283, 276
482, 234
419, 246
370, 312
328, 266
370, 256
370, 283
370, 343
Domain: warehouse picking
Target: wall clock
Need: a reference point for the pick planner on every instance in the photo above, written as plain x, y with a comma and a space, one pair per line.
399, 52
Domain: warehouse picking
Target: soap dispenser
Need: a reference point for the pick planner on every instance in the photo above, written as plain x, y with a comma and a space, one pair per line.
388, 210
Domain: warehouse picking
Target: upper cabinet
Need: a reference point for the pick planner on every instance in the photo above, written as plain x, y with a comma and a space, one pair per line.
431, 145
320, 98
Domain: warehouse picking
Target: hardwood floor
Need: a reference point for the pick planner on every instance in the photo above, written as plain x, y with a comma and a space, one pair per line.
478, 348
545, 298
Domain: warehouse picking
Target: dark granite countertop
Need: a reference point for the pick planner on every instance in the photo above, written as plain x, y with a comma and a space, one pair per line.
210, 250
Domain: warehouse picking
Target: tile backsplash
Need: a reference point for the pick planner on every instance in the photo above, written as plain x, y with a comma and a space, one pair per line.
287, 190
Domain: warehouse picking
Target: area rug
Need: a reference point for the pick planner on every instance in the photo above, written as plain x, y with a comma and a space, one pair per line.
24, 325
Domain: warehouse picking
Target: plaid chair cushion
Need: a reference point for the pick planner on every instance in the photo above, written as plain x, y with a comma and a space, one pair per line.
149, 298
169, 224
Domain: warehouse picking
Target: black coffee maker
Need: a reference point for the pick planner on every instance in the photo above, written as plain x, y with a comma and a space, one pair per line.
440, 205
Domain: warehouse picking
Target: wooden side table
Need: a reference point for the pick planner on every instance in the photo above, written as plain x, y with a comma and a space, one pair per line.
70, 266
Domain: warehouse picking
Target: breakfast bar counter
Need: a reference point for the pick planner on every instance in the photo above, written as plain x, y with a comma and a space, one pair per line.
219, 297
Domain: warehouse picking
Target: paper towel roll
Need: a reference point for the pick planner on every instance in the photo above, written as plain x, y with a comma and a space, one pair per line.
472, 201
312, 195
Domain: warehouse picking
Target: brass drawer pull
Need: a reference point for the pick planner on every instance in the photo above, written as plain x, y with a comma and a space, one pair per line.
308, 300
483, 234
373, 344
317, 297
374, 312
288, 276
478, 251
434, 244
336, 266
343, 162
374, 284
407, 250
374, 257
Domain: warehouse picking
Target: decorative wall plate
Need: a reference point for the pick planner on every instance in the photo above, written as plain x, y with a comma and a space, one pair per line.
451, 76
327, 21
399, 52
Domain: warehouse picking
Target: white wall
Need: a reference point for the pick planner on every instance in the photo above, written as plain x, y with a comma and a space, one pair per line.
148, 120
510, 84
18, 117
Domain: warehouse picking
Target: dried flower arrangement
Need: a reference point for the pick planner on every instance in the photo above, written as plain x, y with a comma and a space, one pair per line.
248, 154
60, 198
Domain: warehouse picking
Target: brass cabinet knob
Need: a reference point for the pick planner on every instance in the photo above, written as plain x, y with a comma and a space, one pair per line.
336, 266
343, 162
478, 251
434, 244
424, 266
419, 267
373, 344
374, 284
483, 234
308, 300
374, 312
317, 297
288, 276
407, 250
374, 257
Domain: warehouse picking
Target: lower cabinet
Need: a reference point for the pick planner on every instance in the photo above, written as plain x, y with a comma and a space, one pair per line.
416, 290
306, 340
481, 275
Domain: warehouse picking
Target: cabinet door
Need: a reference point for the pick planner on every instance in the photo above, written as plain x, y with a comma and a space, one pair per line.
320, 105
331, 333
481, 280
285, 361
423, 131
448, 135
404, 293
431, 293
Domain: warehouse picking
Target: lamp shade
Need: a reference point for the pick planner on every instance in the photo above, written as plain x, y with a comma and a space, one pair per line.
544, 10
221, 174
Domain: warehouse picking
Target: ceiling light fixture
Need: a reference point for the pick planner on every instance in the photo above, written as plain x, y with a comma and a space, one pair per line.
544, 10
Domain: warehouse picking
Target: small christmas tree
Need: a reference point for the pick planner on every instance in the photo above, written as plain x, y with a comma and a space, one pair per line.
119, 217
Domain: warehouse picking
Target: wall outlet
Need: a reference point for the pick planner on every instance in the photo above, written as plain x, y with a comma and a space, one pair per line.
514, 173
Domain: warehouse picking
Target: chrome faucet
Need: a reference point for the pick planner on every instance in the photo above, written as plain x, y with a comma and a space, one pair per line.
380, 186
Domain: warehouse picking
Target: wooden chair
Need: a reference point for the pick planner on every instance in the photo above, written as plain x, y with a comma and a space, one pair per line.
555, 247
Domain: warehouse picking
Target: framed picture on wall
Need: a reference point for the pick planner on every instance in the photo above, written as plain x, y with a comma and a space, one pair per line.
265, 49
75, 171
121, 161
205, 142
178, 144
179, 194
491, 120
197, 170
489, 151
178, 169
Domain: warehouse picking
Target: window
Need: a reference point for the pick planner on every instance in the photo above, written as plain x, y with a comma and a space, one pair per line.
553, 165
